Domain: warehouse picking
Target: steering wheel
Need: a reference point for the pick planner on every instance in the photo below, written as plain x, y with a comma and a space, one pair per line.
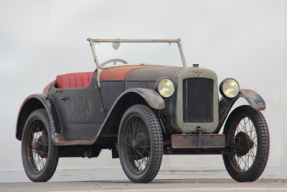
114, 60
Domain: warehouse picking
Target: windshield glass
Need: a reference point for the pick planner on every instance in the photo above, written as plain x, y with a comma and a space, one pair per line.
154, 53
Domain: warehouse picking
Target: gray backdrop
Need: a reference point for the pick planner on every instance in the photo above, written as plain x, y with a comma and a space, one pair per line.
243, 39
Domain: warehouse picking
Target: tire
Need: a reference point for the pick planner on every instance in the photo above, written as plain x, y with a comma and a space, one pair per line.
39, 154
247, 128
140, 144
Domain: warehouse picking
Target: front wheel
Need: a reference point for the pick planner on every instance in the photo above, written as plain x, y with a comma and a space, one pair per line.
246, 131
140, 144
39, 154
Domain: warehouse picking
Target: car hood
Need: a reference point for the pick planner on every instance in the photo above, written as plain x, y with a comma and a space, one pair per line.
138, 73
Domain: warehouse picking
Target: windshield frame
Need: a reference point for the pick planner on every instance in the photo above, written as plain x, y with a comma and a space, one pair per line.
178, 41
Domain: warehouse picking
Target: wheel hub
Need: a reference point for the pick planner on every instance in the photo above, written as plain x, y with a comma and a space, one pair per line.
133, 144
41, 146
245, 143
140, 144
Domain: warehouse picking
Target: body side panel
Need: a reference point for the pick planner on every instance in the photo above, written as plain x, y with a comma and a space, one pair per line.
110, 91
113, 117
80, 111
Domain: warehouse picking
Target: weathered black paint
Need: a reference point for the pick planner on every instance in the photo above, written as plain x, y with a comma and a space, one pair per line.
101, 130
33, 102
140, 84
81, 111
110, 91
151, 73
124, 101
225, 104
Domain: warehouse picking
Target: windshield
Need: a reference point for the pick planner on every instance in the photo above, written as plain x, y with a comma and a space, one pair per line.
151, 53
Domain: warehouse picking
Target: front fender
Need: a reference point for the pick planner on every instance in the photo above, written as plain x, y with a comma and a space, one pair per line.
225, 104
253, 98
111, 123
31, 103
150, 96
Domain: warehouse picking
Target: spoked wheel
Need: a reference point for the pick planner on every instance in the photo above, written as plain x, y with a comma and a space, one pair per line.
246, 131
140, 144
39, 154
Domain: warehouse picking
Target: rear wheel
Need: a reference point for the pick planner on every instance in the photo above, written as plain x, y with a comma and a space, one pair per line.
39, 154
247, 132
140, 144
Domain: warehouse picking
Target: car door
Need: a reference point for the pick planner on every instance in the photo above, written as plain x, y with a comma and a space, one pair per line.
80, 110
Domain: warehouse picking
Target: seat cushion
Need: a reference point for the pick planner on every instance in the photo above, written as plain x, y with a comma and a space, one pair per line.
74, 80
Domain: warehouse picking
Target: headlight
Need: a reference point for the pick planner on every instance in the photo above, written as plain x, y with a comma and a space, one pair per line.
164, 87
229, 88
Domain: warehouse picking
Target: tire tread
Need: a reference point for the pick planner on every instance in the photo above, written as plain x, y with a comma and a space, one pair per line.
53, 157
263, 140
158, 145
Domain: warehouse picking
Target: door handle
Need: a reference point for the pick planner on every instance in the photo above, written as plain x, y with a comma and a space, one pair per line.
63, 98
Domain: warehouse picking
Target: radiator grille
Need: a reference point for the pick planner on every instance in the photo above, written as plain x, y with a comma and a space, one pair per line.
197, 100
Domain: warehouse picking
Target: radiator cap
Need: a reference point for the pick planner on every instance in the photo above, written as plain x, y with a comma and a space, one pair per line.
195, 65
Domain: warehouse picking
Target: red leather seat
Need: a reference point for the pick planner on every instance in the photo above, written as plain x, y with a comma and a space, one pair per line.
74, 80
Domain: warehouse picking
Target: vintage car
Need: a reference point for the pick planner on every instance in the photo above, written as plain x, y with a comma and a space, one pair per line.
142, 102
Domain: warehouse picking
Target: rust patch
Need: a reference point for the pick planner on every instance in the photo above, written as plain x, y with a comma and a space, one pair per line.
148, 85
253, 98
47, 88
152, 73
118, 73
184, 141
151, 97
58, 138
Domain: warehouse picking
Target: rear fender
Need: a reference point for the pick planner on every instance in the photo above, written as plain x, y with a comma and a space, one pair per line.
225, 104
31, 103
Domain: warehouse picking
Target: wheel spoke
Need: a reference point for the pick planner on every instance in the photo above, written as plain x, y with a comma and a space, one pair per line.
37, 146
247, 135
141, 147
137, 143
246, 120
246, 126
134, 150
139, 128
134, 127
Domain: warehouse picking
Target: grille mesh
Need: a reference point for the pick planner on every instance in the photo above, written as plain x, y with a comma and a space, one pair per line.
197, 100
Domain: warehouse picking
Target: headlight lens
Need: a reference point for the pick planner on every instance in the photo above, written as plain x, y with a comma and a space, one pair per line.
229, 88
165, 87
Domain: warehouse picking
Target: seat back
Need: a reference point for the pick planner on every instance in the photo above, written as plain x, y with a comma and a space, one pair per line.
74, 80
